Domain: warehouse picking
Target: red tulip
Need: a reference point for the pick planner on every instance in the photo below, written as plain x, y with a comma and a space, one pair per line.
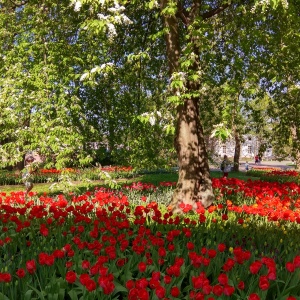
71, 277
31, 266
21, 273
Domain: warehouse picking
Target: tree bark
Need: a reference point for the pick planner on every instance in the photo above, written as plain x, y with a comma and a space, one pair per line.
172, 39
194, 184
237, 151
296, 150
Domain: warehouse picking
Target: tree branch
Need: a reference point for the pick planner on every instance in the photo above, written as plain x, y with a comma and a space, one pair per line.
15, 5
182, 14
215, 11
195, 10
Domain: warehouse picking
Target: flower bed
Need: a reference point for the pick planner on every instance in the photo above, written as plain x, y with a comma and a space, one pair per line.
100, 246
282, 176
258, 171
54, 175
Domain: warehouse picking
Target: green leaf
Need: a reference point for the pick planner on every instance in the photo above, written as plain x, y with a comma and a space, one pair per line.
119, 287
3, 297
40, 293
73, 295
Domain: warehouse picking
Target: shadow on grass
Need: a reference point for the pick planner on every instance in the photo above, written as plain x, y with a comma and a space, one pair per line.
154, 178
173, 177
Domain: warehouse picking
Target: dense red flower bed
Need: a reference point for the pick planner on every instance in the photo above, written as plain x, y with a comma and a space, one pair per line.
291, 173
98, 246
277, 201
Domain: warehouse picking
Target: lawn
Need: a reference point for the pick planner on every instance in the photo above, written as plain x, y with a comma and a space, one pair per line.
154, 178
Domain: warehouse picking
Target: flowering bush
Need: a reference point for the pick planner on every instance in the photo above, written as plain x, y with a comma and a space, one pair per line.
99, 245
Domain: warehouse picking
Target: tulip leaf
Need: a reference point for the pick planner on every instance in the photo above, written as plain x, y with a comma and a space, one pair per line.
40, 294
52, 296
3, 297
127, 272
119, 287
61, 293
73, 295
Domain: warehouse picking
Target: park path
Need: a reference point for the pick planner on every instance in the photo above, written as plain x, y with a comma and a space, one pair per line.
284, 165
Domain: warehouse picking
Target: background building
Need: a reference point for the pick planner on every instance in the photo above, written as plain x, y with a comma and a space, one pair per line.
250, 146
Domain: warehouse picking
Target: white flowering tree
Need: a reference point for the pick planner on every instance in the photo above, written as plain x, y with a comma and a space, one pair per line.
70, 84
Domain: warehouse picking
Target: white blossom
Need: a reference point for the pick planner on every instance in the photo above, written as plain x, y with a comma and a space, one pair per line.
155, 4
113, 9
118, 20
152, 120
111, 30
83, 76
94, 69
78, 5
102, 17
125, 19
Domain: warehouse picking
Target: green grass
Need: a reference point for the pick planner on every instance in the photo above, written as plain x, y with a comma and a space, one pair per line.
40, 188
154, 178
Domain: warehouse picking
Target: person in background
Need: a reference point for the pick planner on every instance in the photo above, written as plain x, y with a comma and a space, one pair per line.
246, 166
28, 174
256, 159
225, 166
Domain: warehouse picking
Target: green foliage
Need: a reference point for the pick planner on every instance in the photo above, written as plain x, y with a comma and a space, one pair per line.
76, 74
221, 132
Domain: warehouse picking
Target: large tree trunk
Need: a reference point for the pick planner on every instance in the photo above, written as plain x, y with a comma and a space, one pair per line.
194, 184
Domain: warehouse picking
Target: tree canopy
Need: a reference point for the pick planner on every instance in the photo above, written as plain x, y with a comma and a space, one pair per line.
132, 76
